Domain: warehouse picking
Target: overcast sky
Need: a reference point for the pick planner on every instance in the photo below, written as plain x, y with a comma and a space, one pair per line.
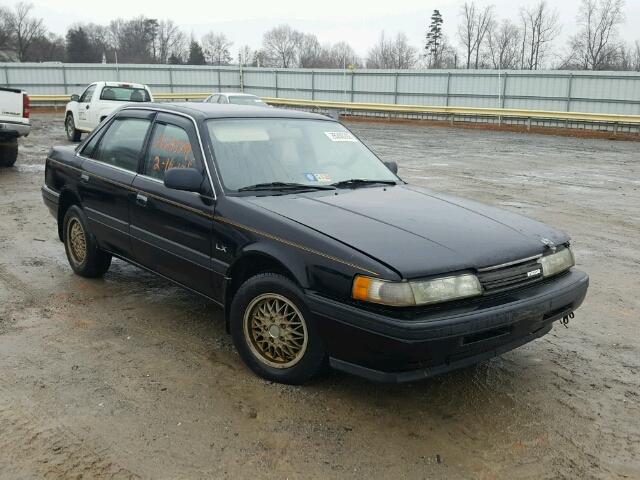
358, 22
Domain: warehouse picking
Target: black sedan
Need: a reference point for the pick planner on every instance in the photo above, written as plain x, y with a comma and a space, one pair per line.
317, 251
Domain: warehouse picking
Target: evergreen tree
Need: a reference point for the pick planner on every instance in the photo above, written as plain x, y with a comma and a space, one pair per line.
433, 47
80, 48
196, 55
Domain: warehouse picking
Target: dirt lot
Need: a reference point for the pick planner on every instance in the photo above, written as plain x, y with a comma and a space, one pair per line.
130, 377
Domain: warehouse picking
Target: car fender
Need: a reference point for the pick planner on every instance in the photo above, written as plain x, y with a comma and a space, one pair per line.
72, 107
291, 263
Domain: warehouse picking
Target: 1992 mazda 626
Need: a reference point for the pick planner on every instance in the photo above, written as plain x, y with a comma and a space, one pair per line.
318, 253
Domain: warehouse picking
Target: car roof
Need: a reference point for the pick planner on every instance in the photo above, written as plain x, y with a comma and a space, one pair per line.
122, 84
205, 111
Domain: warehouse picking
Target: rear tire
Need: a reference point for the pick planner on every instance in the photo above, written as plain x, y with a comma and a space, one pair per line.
8, 152
84, 255
73, 135
274, 331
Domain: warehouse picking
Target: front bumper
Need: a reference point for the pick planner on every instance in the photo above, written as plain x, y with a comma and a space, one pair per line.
10, 130
387, 349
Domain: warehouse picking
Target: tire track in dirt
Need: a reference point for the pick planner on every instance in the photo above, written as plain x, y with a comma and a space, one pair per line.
49, 450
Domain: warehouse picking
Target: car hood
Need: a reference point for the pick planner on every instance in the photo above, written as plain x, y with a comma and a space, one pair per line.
416, 231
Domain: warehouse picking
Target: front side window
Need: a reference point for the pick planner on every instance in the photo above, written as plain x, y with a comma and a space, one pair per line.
310, 152
122, 143
88, 94
213, 99
125, 94
170, 147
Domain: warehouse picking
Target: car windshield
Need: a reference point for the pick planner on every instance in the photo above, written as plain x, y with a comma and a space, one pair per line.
293, 151
125, 94
246, 100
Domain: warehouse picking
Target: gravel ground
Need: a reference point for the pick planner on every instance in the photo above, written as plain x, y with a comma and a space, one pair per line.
130, 377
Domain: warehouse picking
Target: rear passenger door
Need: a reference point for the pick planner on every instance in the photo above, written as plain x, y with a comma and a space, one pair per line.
110, 165
171, 230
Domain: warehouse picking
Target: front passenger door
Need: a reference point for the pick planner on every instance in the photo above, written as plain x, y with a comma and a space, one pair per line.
171, 230
84, 103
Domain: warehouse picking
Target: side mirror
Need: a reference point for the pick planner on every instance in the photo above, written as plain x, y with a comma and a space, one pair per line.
393, 166
75, 97
187, 179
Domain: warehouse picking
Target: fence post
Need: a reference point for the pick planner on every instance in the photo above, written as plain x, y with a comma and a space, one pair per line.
241, 75
352, 75
313, 84
569, 87
219, 80
6, 75
395, 90
448, 89
504, 90
64, 79
171, 78
275, 72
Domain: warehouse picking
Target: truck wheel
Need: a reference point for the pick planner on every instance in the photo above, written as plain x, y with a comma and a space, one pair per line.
274, 331
83, 253
73, 135
8, 153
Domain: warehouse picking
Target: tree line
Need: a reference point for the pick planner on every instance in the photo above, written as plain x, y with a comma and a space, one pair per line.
482, 40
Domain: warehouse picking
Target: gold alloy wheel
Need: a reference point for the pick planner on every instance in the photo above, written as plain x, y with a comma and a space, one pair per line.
275, 330
77, 241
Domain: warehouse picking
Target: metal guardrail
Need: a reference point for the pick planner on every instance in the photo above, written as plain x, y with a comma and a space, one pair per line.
401, 109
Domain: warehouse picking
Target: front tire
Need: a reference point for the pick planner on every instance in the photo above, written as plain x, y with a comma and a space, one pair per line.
73, 135
8, 152
274, 331
84, 255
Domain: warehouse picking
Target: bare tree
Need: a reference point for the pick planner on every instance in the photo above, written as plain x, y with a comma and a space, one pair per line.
392, 53
596, 45
170, 41
473, 30
280, 46
342, 55
245, 55
309, 52
6, 37
217, 48
636, 56
24, 28
540, 27
503, 45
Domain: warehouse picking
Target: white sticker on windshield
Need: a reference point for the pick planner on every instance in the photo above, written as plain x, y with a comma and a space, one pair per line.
340, 137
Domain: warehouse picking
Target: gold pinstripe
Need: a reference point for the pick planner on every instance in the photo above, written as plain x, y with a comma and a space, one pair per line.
293, 244
222, 219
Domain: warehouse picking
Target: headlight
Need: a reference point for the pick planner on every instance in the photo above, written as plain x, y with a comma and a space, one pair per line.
557, 262
418, 292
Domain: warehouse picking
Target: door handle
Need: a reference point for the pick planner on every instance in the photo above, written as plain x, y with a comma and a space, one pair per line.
141, 200
87, 107
84, 178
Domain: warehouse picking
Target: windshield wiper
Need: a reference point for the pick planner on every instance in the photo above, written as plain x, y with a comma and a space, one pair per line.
357, 182
284, 186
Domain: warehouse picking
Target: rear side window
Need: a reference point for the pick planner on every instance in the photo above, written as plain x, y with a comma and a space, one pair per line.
170, 147
122, 143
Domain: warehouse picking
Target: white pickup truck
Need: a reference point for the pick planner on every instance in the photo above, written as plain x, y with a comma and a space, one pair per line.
14, 123
85, 112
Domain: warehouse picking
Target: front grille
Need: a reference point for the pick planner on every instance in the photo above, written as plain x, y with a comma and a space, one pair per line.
512, 276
